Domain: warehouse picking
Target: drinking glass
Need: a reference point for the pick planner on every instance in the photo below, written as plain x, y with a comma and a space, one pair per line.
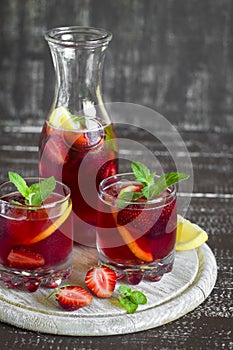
136, 237
35, 242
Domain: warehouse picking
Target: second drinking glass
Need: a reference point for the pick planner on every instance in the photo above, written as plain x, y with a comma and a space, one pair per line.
136, 237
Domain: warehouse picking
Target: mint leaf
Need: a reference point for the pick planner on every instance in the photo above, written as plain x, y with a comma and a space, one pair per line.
130, 195
141, 173
126, 197
131, 299
34, 199
164, 182
19, 183
138, 297
36, 193
152, 187
151, 178
40, 191
125, 290
44, 188
128, 304
145, 191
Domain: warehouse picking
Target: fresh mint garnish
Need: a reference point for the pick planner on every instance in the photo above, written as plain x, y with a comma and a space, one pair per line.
125, 290
143, 174
35, 194
138, 298
151, 187
19, 183
127, 304
163, 182
131, 299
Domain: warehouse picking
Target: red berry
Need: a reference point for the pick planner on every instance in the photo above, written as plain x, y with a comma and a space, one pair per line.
79, 140
135, 278
25, 259
101, 280
108, 168
32, 285
130, 214
72, 298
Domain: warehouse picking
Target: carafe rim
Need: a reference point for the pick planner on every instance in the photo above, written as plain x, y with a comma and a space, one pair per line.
78, 36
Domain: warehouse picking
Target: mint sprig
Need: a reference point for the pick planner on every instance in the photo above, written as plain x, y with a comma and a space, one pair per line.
130, 299
143, 174
151, 187
35, 194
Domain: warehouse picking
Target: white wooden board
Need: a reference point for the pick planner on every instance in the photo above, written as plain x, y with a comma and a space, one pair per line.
177, 293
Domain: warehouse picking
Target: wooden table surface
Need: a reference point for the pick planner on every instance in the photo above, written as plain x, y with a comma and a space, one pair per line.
172, 56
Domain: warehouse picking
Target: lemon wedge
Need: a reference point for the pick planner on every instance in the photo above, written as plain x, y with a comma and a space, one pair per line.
55, 225
62, 118
189, 236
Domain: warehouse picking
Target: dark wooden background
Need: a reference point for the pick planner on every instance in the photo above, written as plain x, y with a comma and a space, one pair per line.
174, 56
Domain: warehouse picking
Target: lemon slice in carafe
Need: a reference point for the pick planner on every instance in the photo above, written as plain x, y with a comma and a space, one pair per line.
62, 118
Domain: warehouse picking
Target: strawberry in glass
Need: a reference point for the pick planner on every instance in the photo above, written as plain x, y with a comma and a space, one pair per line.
137, 221
35, 232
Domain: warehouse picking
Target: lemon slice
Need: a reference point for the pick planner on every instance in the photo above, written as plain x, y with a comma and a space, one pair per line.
189, 236
55, 225
132, 244
130, 188
62, 118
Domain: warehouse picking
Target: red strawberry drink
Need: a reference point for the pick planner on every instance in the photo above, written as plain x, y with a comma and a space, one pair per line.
80, 157
136, 236
35, 241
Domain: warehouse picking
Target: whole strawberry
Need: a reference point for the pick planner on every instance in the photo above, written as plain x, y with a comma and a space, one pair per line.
72, 298
101, 280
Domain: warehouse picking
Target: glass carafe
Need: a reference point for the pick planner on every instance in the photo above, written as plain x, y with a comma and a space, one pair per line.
78, 144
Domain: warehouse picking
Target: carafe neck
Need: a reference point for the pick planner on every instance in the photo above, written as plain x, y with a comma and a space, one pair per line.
78, 56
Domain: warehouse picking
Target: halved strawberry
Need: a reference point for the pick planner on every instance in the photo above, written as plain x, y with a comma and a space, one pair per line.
21, 258
101, 280
55, 150
72, 298
82, 140
129, 214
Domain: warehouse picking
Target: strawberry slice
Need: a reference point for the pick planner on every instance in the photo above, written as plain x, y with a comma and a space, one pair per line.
24, 259
56, 150
101, 280
72, 298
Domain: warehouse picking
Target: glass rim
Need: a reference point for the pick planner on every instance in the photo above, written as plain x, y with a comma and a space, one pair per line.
100, 36
156, 200
30, 207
